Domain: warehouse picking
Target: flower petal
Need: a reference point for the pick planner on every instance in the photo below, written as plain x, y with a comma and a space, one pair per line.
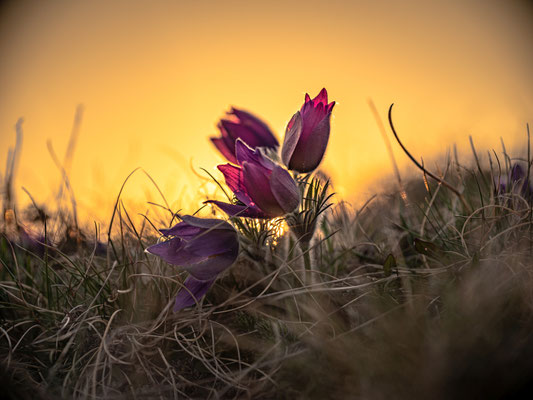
261, 129
517, 173
236, 131
191, 226
322, 97
213, 265
244, 153
192, 292
207, 223
235, 210
223, 147
292, 136
234, 180
257, 185
182, 230
213, 243
312, 115
173, 252
284, 189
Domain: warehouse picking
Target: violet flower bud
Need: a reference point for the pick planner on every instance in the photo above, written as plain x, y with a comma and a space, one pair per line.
307, 134
245, 126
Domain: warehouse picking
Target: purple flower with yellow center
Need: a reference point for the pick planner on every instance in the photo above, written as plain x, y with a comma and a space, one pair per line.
307, 134
263, 188
204, 248
245, 126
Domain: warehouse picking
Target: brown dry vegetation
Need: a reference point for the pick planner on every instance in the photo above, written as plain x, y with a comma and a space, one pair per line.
418, 294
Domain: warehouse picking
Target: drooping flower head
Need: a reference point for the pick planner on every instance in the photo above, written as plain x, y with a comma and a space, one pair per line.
263, 188
202, 247
245, 126
307, 134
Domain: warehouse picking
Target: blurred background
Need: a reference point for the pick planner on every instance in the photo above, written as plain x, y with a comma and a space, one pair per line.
155, 76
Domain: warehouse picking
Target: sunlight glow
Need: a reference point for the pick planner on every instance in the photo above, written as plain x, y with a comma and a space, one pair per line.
155, 77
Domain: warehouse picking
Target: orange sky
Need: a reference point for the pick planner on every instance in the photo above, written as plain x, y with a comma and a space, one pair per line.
154, 77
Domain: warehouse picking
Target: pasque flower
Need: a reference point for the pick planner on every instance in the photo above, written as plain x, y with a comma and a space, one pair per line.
202, 247
245, 126
516, 182
307, 134
263, 188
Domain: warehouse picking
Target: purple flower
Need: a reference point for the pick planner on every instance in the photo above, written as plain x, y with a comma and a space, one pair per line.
515, 182
31, 243
263, 189
245, 126
202, 247
307, 134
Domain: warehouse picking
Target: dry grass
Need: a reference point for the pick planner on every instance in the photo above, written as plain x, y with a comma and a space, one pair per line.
418, 294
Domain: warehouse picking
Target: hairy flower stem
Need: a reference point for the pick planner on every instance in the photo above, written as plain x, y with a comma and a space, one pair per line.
304, 246
308, 275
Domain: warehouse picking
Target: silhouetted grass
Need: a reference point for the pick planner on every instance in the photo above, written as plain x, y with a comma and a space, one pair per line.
420, 293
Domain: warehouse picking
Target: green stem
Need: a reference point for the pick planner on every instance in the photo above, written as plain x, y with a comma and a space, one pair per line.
306, 254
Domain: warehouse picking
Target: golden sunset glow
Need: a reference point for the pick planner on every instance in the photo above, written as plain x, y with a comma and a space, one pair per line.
155, 76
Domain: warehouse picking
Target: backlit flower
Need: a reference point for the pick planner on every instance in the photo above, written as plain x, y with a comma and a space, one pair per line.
307, 134
245, 126
263, 188
202, 247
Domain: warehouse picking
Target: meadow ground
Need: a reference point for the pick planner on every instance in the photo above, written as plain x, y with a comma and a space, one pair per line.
426, 291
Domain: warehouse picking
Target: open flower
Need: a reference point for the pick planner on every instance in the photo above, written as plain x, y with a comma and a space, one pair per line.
307, 134
245, 126
263, 189
202, 247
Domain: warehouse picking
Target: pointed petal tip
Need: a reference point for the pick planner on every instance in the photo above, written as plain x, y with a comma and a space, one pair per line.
322, 97
221, 128
148, 250
234, 111
224, 167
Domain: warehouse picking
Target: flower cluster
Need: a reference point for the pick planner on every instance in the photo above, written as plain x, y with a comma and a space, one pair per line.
262, 189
